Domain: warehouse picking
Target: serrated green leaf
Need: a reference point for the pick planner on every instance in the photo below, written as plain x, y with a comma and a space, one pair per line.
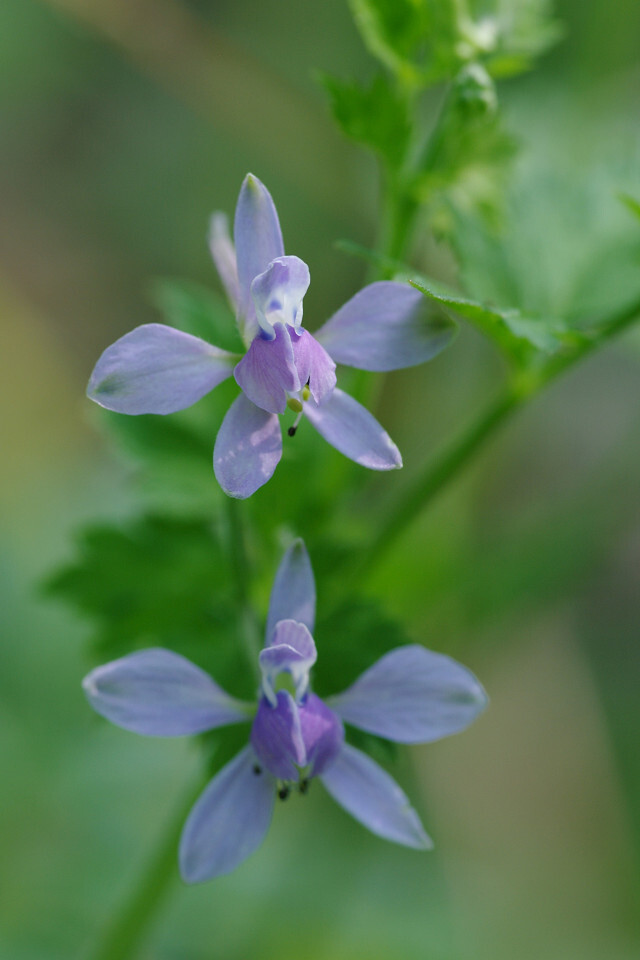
505, 326
194, 308
415, 39
158, 582
172, 461
375, 116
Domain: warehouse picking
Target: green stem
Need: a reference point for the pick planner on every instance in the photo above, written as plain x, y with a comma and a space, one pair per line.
123, 938
438, 473
249, 629
402, 204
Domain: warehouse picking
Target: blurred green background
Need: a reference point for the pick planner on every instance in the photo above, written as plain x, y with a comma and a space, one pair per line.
123, 124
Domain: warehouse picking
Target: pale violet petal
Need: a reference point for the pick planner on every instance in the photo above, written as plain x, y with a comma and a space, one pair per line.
386, 326
278, 292
161, 694
247, 449
267, 372
229, 821
156, 369
293, 595
314, 365
258, 240
294, 636
224, 255
322, 732
292, 649
276, 736
412, 695
369, 794
351, 429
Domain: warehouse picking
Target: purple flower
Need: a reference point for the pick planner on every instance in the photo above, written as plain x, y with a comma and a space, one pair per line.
157, 369
410, 695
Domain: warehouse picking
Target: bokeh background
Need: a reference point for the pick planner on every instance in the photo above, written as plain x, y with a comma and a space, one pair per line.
123, 123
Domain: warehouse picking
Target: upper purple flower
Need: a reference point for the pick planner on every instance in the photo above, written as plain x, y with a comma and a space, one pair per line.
410, 695
157, 369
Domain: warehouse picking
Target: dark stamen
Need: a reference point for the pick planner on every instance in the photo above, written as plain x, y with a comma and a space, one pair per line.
292, 431
257, 769
283, 793
304, 786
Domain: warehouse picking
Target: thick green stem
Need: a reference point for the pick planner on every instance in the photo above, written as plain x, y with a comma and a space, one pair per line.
123, 937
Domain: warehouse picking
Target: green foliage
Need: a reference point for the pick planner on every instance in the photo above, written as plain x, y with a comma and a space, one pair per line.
423, 42
512, 330
350, 638
375, 116
631, 203
514, 32
194, 308
468, 154
158, 582
565, 247
396, 31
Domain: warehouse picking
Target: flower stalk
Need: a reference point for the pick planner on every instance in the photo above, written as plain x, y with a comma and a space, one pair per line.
123, 937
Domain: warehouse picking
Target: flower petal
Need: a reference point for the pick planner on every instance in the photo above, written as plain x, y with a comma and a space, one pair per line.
161, 694
314, 365
276, 737
412, 695
292, 650
229, 820
293, 595
156, 369
369, 794
247, 449
258, 241
322, 733
386, 326
278, 292
224, 255
351, 429
267, 371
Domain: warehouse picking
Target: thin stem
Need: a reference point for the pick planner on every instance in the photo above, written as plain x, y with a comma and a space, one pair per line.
437, 474
122, 939
240, 566
455, 457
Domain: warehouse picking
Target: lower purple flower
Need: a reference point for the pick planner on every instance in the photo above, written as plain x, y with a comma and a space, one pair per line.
411, 695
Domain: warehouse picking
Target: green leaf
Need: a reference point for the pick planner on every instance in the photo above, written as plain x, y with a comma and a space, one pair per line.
508, 327
423, 42
172, 456
512, 33
414, 39
376, 116
349, 640
469, 153
158, 582
194, 308
630, 203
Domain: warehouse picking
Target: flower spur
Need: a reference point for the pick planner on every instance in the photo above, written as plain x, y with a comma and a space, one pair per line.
158, 369
410, 695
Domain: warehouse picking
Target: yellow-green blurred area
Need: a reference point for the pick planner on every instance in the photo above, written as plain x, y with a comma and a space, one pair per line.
123, 124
